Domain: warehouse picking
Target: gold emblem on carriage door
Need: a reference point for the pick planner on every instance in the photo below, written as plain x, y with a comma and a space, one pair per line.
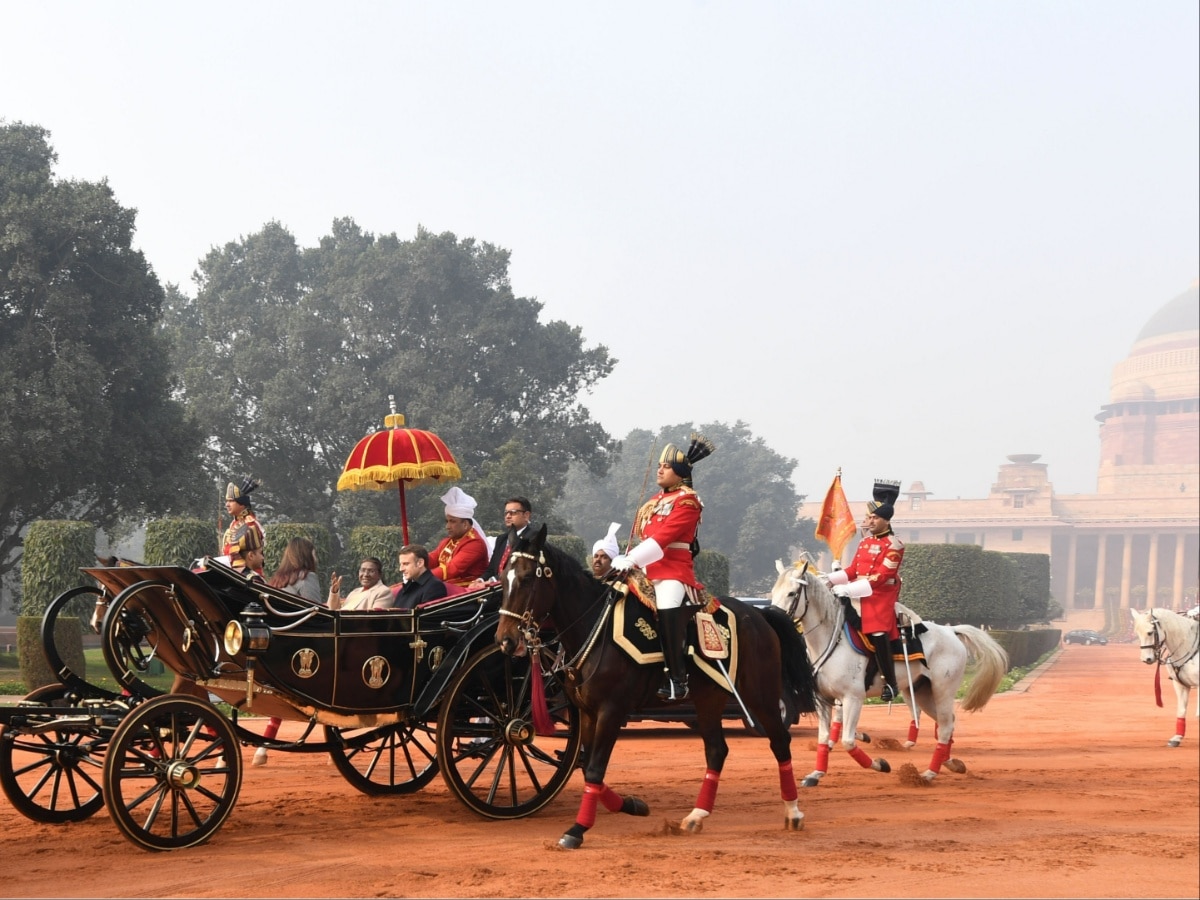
305, 662
376, 672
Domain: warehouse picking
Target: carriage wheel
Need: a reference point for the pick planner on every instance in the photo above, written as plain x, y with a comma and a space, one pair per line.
52, 776
491, 756
396, 759
124, 641
56, 607
173, 772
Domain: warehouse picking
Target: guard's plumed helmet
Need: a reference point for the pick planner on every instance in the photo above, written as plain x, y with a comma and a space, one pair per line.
886, 494
241, 494
681, 462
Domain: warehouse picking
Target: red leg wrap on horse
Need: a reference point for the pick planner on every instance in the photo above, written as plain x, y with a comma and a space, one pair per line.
1180, 726
708, 791
587, 806
611, 799
787, 781
941, 753
272, 728
823, 758
912, 731
835, 732
859, 755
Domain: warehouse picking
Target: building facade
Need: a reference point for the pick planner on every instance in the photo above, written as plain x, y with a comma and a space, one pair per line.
1136, 541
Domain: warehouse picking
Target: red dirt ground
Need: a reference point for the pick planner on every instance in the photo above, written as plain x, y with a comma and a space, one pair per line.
1070, 791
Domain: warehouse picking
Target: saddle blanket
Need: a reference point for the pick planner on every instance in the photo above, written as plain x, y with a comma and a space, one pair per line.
635, 633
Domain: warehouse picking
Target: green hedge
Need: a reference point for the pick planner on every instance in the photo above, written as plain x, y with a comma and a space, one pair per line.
180, 542
382, 541
1033, 586
954, 583
31, 654
54, 553
712, 571
1027, 647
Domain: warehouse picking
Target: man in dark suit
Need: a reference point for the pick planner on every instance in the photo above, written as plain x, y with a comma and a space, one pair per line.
420, 585
518, 523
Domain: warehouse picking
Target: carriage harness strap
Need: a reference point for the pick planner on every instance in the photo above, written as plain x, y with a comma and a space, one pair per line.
530, 628
1163, 652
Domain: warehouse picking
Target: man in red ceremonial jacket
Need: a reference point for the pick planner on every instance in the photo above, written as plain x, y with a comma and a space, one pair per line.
667, 526
462, 556
238, 536
874, 576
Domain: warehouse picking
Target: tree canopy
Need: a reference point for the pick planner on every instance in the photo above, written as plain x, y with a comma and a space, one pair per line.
89, 429
288, 355
750, 505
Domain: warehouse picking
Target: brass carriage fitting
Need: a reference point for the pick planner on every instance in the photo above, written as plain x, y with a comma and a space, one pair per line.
258, 633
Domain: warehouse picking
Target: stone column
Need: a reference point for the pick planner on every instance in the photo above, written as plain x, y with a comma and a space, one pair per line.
1177, 587
1101, 560
1126, 565
1072, 548
1152, 573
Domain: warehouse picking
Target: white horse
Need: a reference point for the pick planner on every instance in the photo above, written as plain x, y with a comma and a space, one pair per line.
840, 670
1171, 640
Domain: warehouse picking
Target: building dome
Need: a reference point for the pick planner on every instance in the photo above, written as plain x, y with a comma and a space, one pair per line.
1181, 316
1165, 359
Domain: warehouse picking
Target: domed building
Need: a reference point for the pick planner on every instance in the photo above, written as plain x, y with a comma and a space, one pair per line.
1136, 541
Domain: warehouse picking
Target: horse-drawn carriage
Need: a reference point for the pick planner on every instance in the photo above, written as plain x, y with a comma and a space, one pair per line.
399, 695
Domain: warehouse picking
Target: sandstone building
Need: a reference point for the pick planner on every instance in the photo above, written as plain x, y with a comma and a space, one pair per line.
1136, 541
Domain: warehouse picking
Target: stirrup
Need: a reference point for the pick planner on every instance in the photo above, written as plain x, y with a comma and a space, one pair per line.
887, 695
673, 690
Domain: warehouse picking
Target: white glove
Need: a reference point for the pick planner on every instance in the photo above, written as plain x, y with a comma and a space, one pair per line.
859, 588
622, 563
836, 577
840, 591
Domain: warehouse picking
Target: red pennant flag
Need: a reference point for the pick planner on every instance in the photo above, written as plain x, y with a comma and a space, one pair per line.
836, 525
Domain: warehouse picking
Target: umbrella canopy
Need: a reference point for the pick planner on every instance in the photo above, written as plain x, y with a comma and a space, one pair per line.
397, 455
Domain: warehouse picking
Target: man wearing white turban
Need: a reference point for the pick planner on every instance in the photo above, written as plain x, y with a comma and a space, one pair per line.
462, 556
605, 550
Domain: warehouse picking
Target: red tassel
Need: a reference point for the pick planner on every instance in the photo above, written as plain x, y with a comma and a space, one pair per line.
542, 723
1158, 684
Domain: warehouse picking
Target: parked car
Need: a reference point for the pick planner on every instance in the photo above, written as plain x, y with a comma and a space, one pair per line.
1084, 636
685, 712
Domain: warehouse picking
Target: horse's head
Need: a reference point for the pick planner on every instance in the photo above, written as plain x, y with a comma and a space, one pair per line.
1146, 628
528, 592
791, 588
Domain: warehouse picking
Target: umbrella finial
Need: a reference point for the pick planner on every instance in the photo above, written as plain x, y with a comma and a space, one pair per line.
395, 420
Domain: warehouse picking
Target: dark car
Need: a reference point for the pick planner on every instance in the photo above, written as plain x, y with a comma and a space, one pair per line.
1084, 636
685, 712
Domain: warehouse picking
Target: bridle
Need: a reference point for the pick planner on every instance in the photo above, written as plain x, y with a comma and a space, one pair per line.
1162, 652
794, 597
541, 570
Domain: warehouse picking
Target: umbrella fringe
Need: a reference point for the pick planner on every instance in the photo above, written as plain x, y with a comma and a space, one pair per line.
382, 478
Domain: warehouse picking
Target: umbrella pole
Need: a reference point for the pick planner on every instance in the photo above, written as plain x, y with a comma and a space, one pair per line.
403, 511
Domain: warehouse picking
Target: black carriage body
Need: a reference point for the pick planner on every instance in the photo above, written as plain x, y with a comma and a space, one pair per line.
328, 666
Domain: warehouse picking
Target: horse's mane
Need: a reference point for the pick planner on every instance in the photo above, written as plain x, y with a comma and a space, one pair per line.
568, 567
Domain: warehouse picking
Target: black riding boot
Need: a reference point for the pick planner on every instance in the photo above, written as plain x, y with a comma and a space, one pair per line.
672, 626
887, 666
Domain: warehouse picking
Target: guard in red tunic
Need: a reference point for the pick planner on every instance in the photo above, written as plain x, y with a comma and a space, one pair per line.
666, 525
462, 556
874, 576
237, 538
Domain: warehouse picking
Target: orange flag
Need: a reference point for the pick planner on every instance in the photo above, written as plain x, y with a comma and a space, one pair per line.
836, 525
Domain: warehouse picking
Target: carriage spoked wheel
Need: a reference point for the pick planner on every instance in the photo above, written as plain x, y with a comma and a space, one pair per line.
490, 752
394, 759
125, 641
59, 606
173, 772
52, 774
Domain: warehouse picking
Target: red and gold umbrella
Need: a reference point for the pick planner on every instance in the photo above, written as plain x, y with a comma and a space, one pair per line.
397, 454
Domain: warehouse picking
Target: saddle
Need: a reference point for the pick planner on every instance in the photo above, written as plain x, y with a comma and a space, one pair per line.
634, 632
911, 625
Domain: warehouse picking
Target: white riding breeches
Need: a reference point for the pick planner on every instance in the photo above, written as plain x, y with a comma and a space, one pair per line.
668, 594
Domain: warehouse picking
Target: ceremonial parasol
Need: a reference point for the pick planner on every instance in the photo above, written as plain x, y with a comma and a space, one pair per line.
397, 454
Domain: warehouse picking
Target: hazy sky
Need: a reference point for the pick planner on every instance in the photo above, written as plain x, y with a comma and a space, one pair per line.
907, 239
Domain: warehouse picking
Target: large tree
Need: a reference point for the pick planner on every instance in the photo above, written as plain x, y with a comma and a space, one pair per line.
288, 355
750, 505
88, 426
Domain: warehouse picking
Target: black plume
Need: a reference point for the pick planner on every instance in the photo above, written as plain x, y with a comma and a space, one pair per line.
699, 449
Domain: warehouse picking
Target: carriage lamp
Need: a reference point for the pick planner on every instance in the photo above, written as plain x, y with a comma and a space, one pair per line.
254, 636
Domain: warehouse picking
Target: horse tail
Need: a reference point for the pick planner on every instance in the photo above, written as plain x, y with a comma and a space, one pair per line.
991, 664
798, 677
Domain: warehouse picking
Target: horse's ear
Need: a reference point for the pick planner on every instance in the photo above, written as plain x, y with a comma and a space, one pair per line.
779, 566
539, 539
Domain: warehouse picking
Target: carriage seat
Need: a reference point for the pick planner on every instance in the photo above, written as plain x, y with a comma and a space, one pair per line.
452, 590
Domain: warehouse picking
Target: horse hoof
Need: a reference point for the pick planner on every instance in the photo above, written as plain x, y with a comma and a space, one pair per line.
692, 826
862, 737
797, 824
632, 806
881, 765
929, 775
812, 779
957, 766
1175, 741
908, 745
570, 842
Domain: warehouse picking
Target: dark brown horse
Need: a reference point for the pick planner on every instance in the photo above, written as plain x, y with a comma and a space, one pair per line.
547, 591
